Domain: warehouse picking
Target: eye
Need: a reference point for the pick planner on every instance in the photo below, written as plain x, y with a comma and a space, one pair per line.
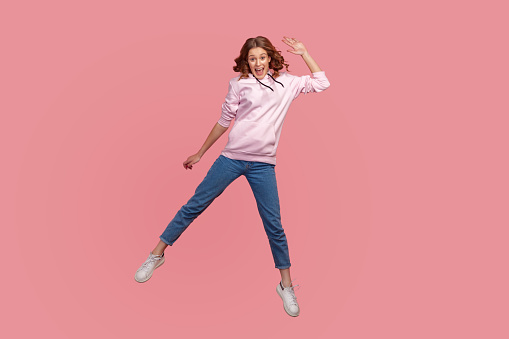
263, 58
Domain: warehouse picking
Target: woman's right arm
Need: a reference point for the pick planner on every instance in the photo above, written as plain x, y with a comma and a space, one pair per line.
228, 112
216, 132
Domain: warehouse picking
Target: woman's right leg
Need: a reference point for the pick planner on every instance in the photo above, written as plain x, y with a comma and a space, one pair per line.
221, 174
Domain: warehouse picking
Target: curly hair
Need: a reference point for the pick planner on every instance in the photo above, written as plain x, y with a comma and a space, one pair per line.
276, 59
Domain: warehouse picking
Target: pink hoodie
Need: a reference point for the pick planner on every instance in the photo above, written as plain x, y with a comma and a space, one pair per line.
259, 112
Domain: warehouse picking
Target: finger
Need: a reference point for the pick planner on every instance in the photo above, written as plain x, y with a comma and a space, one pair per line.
286, 42
288, 39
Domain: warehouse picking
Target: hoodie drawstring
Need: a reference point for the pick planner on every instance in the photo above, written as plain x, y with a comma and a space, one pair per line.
266, 85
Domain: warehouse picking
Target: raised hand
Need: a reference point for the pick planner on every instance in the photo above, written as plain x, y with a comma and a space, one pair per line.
298, 47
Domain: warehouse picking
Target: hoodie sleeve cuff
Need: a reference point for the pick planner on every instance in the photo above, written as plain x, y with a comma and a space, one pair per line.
223, 122
320, 74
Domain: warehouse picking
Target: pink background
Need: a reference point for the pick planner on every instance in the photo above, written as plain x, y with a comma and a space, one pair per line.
393, 182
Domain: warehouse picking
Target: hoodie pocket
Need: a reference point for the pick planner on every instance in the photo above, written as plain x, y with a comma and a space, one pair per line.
252, 137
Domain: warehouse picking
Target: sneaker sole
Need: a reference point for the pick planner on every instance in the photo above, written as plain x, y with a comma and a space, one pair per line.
280, 293
158, 264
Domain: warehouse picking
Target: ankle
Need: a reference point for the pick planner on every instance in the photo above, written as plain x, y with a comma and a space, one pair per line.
286, 284
157, 253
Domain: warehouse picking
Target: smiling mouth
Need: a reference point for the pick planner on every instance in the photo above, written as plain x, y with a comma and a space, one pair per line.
259, 71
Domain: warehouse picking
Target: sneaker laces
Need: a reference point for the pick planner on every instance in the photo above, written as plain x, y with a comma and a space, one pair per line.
291, 293
151, 259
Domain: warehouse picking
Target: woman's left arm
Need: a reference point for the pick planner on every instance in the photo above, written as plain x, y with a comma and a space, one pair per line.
300, 49
306, 83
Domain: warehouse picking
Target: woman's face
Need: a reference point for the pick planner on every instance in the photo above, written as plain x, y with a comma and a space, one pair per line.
258, 60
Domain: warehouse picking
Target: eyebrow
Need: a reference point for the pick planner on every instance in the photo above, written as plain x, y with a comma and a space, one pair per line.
260, 54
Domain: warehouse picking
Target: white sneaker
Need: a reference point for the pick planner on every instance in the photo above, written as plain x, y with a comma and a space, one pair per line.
147, 268
289, 299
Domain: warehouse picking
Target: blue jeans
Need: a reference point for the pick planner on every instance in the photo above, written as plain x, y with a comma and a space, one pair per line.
262, 179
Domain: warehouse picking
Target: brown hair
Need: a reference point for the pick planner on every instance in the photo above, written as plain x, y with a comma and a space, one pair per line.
276, 59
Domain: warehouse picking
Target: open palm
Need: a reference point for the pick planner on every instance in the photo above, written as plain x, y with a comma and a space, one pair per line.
298, 47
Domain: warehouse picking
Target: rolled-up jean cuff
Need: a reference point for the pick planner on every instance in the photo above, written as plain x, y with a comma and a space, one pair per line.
283, 268
165, 241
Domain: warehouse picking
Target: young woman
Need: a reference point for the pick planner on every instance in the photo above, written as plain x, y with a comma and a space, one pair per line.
258, 98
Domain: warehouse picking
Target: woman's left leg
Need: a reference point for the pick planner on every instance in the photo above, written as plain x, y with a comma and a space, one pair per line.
262, 179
